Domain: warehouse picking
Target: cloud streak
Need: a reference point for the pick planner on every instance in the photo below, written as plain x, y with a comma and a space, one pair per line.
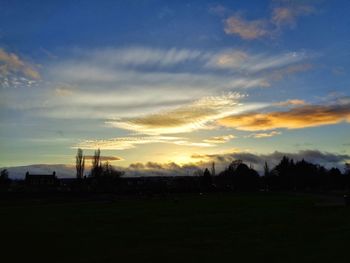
104, 158
15, 72
295, 118
124, 143
264, 134
220, 139
195, 116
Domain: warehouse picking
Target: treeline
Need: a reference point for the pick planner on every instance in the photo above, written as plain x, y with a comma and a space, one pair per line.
303, 175
287, 175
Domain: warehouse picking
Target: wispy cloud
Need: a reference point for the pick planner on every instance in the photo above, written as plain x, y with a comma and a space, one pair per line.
195, 116
244, 62
295, 118
14, 71
102, 83
280, 73
291, 102
123, 143
140, 56
287, 15
64, 91
220, 139
284, 15
247, 30
264, 134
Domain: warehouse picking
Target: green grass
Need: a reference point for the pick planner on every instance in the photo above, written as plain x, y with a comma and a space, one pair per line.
192, 228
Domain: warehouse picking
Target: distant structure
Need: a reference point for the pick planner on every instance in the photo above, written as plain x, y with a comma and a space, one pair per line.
41, 179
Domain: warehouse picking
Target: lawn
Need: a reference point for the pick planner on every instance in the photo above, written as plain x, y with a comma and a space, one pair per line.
182, 228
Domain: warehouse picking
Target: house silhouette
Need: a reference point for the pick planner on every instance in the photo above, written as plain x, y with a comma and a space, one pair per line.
41, 179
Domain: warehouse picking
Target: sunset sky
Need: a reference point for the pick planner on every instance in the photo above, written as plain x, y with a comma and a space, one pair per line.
174, 81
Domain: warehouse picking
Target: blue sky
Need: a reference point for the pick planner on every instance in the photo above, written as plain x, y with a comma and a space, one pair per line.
173, 81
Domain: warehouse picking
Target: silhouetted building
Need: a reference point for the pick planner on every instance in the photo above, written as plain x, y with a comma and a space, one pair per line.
41, 179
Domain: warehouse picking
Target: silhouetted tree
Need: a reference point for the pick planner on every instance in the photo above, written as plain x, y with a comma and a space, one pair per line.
347, 169
4, 174
96, 168
106, 179
266, 169
206, 180
4, 177
239, 176
246, 178
80, 163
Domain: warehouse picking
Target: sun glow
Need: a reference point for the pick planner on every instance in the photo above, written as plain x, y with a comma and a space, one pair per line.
180, 158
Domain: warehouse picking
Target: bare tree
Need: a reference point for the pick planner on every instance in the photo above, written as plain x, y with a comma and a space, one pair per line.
80, 163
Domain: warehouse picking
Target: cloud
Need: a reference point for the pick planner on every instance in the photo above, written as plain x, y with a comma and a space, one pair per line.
247, 30
280, 73
123, 143
264, 134
102, 83
104, 158
14, 70
140, 56
295, 118
220, 139
232, 59
287, 15
292, 102
195, 116
244, 62
281, 16
64, 91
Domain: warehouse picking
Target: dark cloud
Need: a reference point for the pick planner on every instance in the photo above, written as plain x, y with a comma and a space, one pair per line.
105, 158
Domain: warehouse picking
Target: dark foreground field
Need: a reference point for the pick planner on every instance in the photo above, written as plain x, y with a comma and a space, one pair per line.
187, 228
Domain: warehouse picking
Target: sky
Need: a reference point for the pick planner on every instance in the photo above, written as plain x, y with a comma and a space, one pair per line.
164, 84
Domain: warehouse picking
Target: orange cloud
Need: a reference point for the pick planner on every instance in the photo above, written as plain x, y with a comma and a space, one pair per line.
295, 118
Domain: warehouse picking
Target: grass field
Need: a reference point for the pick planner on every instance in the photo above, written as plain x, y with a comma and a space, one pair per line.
185, 228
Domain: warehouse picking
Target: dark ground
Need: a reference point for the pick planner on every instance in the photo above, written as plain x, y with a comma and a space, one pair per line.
182, 228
